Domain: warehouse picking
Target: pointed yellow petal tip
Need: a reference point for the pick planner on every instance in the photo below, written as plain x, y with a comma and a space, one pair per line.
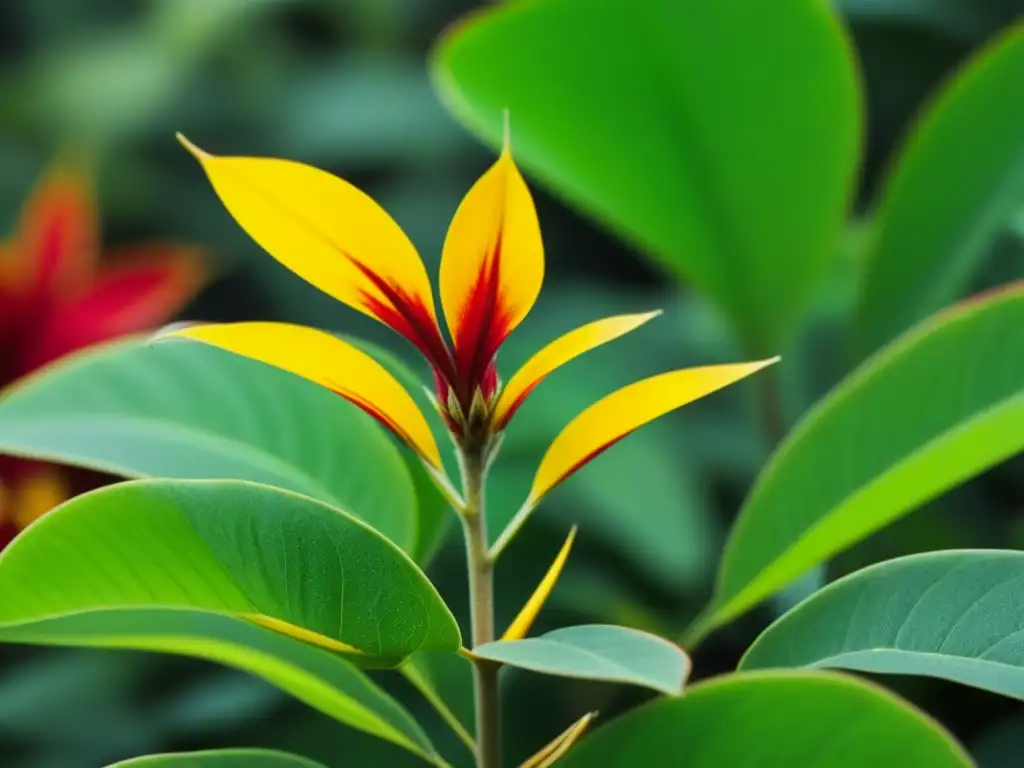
170, 331
559, 352
521, 624
556, 749
613, 417
196, 152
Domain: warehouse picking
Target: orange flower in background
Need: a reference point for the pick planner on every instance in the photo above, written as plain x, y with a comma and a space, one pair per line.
56, 298
492, 266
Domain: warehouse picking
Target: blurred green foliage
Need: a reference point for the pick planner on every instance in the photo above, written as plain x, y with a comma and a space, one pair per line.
343, 84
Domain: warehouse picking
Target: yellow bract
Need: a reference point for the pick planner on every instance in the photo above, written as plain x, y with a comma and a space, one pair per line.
556, 749
618, 414
331, 363
558, 353
496, 220
524, 620
337, 238
320, 227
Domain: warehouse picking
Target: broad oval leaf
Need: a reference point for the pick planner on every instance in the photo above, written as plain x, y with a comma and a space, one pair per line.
433, 511
955, 185
189, 411
237, 548
597, 652
221, 758
935, 408
773, 720
647, 126
952, 615
321, 679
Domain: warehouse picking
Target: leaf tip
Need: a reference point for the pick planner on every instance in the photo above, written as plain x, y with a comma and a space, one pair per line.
524, 620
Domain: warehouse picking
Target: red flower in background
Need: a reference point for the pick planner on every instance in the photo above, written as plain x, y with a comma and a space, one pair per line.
56, 297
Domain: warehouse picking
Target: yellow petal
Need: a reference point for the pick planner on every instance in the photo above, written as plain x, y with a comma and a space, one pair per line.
612, 418
521, 624
556, 749
331, 235
331, 363
492, 265
558, 353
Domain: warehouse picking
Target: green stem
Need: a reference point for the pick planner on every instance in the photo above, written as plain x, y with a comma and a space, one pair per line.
481, 603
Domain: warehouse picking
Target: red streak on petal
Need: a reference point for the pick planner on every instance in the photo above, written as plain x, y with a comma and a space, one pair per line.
480, 330
409, 316
383, 418
589, 457
516, 403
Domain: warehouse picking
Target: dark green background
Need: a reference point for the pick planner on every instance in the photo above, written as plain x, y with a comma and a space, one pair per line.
342, 84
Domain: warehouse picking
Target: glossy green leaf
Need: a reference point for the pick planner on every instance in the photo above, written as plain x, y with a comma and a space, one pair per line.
674, 122
597, 652
189, 411
952, 190
445, 680
434, 512
937, 407
317, 677
773, 720
233, 547
221, 758
942, 614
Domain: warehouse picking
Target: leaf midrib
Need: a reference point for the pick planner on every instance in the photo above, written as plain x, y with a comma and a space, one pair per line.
619, 672
949, 435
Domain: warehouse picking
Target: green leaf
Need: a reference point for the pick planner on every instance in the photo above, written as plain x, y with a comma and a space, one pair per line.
189, 411
955, 185
445, 680
942, 614
221, 758
434, 510
597, 652
673, 122
320, 679
231, 547
773, 720
937, 407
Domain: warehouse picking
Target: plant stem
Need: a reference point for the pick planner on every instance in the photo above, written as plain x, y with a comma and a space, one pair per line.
769, 403
481, 604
